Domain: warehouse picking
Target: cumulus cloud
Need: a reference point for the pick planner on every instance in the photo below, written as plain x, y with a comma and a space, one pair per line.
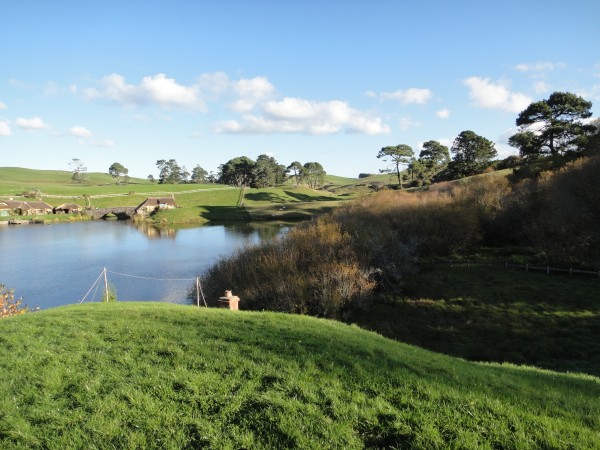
4, 129
251, 92
155, 90
296, 115
539, 66
408, 96
82, 132
159, 90
443, 113
33, 124
490, 95
541, 87
3, 105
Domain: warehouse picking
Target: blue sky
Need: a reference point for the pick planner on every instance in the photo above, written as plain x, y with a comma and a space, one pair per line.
328, 81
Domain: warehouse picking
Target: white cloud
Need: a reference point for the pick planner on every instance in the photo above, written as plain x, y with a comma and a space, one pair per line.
296, 115
412, 95
80, 132
406, 123
443, 113
158, 90
3, 105
153, 90
33, 124
486, 94
539, 66
593, 93
251, 91
541, 87
4, 129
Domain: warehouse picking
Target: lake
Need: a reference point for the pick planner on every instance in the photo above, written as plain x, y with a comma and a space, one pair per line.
53, 265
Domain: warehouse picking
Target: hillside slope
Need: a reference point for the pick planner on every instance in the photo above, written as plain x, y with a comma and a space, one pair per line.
141, 375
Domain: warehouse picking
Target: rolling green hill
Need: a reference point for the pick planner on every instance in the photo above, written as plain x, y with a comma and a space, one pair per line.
152, 375
197, 202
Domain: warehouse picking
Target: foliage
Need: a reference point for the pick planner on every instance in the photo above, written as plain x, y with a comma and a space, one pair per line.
237, 172
397, 156
313, 174
268, 172
323, 276
116, 170
8, 305
199, 175
565, 213
296, 168
78, 170
472, 154
110, 294
31, 193
434, 156
139, 375
553, 126
169, 172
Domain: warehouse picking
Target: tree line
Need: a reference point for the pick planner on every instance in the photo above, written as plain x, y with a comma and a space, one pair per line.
550, 132
554, 128
243, 171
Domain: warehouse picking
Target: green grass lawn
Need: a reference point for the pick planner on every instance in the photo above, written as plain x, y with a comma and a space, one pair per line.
141, 375
489, 313
197, 202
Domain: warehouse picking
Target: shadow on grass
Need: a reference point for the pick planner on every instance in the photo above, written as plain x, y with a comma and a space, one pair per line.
494, 314
223, 213
264, 197
309, 198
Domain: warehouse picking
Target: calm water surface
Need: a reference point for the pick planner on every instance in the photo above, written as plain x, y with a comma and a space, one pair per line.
52, 265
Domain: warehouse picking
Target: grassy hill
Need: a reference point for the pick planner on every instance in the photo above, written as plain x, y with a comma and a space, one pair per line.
141, 375
198, 202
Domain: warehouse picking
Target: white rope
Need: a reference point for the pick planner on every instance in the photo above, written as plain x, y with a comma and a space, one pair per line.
150, 278
88, 292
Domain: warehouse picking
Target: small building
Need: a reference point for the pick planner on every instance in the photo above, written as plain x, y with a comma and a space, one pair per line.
153, 204
30, 208
34, 208
67, 208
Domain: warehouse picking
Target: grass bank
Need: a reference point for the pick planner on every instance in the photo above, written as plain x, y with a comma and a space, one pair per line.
482, 311
139, 375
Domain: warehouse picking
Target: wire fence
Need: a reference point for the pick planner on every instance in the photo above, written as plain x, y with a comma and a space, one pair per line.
103, 280
549, 270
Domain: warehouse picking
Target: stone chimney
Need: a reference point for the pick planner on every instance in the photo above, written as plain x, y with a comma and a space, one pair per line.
229, 301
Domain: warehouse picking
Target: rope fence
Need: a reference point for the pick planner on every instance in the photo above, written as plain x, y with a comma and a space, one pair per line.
104, 277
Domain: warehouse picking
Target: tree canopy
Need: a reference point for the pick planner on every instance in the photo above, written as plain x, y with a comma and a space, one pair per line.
78, 170
169, 172
472, 154
398, 155
199, 175
553, 126
313, 174
116, 170
434, 155
237, 171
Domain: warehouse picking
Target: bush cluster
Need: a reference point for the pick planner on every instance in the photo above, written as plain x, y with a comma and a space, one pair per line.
335, 263
9, 306
312, 270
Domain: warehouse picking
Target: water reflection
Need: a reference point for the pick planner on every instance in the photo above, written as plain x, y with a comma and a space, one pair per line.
56, 264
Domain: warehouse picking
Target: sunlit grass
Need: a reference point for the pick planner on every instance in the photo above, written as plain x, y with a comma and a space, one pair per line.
139, 375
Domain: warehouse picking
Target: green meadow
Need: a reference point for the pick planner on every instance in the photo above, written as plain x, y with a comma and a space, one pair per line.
139, 375
197, 202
